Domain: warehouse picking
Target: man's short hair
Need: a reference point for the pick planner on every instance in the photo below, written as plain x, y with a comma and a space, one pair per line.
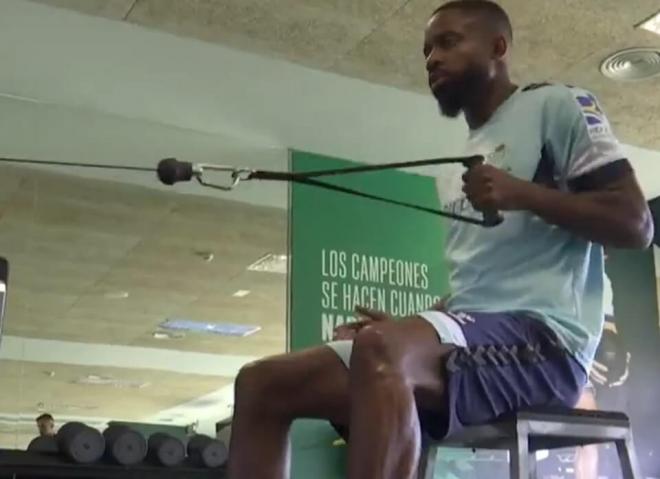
45, 416
488, 9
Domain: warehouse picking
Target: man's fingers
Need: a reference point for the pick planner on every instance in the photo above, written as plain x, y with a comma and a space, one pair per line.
442, 304
597, 377
366, 315
342, 333
356, 325
600, 367
372, 314
349, 330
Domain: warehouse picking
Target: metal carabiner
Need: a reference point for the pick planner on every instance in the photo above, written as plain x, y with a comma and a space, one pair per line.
236, 174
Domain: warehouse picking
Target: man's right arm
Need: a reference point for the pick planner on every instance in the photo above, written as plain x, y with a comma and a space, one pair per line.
599, 197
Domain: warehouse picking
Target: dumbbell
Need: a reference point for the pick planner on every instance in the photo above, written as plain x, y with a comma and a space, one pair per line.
124, 445
204, 451
80, 443
165, 450
43, 445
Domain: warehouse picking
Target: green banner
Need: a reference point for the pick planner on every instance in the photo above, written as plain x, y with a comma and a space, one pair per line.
348, 251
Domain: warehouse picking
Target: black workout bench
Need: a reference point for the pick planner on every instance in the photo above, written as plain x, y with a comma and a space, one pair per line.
526, 432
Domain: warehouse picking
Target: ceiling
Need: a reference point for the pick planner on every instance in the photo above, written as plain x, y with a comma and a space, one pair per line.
97, 265
379, 41
75, 245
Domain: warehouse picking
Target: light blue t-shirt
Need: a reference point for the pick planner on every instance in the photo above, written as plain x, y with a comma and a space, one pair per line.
549, 134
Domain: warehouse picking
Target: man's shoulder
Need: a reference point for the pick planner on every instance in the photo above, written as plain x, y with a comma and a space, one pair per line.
548, 90
561, 100
558, 92
533, 87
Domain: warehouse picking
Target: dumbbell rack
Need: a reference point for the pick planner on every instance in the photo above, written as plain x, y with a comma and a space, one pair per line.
25, 465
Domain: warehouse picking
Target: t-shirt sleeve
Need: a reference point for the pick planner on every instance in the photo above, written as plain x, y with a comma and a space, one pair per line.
578, 135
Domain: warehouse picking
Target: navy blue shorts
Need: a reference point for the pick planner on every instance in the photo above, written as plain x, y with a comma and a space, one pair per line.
502, 363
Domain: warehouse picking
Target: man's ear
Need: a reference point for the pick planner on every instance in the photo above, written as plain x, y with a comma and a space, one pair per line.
500, 47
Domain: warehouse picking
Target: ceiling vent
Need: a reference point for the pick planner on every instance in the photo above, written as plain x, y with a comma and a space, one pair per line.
632, 64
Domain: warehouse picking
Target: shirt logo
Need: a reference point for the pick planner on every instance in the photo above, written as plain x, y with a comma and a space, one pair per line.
597, 125
497, 157
590, 108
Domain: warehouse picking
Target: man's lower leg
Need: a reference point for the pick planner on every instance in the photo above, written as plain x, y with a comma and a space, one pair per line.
259, 443
270, 395
384, 425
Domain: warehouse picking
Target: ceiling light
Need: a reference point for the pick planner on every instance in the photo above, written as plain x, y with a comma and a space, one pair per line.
652, 24
116, 295
270, 263
205, 255
74, 407
221, 329
168, 335
96, 380
241, 293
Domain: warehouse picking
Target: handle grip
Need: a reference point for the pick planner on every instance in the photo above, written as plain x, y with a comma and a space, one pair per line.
490, 218
472, 161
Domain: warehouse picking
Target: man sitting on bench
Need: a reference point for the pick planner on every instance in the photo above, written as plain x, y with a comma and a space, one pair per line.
525, 313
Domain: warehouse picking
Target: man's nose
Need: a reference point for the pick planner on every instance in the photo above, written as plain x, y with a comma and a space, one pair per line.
434, 60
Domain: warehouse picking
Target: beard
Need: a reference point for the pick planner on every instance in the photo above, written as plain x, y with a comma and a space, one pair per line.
454, 95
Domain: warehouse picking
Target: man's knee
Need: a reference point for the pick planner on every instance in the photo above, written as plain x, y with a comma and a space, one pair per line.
375, 352
255, 382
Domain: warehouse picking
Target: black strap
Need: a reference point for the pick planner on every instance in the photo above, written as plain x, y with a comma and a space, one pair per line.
467, 161
341, 189
307, 178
